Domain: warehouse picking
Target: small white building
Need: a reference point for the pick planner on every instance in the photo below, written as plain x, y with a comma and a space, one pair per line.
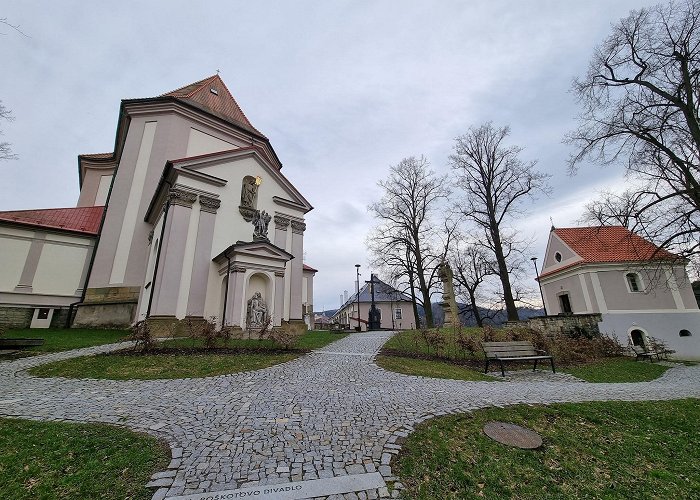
189, 216
640, 291
395, 308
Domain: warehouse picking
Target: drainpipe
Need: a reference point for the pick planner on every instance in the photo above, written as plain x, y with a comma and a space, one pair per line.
228, 278
160, 246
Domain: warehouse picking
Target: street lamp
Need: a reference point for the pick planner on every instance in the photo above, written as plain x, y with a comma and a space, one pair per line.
537, 276
357, 283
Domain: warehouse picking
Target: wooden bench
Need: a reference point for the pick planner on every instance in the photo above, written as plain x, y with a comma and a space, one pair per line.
513, 351
644, 352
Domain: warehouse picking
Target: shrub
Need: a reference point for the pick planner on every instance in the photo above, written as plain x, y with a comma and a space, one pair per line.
286, 335
141, 336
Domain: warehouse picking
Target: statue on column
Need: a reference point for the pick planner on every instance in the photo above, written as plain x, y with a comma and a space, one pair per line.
449, 304
257, 311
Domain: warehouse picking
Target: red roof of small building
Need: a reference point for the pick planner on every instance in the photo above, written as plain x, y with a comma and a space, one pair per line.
80, 219
607, 244
309, 268
213, 95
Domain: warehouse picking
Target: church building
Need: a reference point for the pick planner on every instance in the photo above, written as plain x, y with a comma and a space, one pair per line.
189, 216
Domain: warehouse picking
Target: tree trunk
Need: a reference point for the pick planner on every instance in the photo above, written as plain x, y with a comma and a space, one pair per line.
475, 309
511, 310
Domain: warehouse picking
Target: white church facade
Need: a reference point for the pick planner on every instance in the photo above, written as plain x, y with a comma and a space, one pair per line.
197, 221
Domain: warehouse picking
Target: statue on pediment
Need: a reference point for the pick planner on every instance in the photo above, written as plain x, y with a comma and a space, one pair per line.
261, 221
257, 311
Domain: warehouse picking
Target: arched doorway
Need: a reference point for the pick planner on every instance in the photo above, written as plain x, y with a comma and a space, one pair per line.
638, 337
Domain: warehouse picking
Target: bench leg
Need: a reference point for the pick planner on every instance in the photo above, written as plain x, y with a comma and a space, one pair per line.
534, 368
503, 373
552, 361
487, 366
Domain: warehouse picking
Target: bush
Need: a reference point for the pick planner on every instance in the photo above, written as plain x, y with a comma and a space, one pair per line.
141, 336
286, 335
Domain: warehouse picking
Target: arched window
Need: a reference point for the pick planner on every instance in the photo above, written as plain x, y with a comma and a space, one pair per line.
634, 282
685, 333
637, 337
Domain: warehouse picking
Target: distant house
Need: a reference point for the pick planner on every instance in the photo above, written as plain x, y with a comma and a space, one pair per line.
395, 308
640, 291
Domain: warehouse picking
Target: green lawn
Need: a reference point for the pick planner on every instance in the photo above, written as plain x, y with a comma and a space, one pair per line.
66, 339
76, 461
165, 365
412, 342
430, 368
612, 450
617, 370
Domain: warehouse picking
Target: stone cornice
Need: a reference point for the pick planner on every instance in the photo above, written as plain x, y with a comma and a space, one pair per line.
209, 204
281, 222
298, 227
181, 197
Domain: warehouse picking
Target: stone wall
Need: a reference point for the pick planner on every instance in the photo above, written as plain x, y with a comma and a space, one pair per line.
562, 324
15, 317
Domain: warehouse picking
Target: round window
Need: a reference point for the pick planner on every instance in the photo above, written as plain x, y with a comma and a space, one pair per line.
557, 257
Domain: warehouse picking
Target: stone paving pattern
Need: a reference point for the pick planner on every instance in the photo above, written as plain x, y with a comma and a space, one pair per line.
329, 413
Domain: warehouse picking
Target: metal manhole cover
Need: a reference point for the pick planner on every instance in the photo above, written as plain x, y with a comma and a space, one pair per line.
513, 435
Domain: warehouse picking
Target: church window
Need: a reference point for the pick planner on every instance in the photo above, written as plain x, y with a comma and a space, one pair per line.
685, 333
634, 283
557, 257
397, 313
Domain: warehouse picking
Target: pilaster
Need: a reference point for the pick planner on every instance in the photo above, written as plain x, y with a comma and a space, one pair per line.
202, 256
297, 270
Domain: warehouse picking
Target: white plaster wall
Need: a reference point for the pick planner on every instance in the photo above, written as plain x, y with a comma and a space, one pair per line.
126, 234
14, 248
103, 190
200, 143
664, 326
60, 268
187, 263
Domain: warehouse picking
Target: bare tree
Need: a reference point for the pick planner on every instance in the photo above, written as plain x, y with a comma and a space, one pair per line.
5, 147
472, 267
640, 107
495, 181
613, 209
405, 236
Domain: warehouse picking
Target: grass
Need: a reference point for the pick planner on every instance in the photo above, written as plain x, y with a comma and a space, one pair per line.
430, 368
66, 339
612, 450
617, 370
412, 342
126, 366
76, 461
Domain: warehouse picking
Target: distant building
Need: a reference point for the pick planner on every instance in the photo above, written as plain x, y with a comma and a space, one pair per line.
640, 291
190, 215
395, 308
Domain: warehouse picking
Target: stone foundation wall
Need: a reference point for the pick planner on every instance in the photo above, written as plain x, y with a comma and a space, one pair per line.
116, 315
15, 317
563, 324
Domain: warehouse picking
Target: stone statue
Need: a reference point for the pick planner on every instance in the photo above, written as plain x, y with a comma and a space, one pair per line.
260, 222
257, 311
248, 192
449, 304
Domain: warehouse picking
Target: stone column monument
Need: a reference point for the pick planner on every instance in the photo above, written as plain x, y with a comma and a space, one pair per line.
449, 304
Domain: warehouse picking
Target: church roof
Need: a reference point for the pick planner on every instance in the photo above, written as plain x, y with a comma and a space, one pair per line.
383, 292
80, 219
212, 95
607, 244
309, 268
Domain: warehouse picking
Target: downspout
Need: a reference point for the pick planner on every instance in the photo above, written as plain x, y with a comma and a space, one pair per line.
228, 277
160, 246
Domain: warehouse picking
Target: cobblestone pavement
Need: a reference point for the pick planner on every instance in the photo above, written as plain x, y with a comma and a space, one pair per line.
329, 413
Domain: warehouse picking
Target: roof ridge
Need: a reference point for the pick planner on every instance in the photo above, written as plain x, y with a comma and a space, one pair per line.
196, 85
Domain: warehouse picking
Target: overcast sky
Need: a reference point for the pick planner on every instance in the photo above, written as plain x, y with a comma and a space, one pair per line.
343, 89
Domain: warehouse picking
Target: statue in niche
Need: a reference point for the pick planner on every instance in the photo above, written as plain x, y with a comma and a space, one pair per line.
257, 311
261, 220
248, 191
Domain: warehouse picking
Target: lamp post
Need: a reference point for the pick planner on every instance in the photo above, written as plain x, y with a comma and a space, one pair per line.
357, 283
537, 276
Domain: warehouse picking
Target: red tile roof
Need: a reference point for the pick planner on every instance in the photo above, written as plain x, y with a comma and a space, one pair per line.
607, 244
220, 103
81, 219
309, 268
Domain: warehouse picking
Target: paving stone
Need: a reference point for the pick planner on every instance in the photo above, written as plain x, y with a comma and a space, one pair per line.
330, 413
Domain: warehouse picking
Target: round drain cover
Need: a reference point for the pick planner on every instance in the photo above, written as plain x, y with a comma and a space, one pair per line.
513, 435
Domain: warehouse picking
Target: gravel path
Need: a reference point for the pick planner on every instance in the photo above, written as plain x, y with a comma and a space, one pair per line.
332, 412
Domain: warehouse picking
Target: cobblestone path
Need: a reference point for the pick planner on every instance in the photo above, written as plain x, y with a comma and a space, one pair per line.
332, 412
